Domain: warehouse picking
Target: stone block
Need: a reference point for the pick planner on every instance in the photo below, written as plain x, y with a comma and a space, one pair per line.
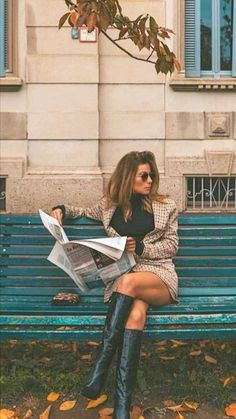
63, 125
112, 151
63, 155
185, 125
218, 124
123, 69
132, 125
13, 126
58, 98
138, 98
62, 69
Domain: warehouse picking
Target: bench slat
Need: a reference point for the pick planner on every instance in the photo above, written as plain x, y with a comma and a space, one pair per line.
74, 335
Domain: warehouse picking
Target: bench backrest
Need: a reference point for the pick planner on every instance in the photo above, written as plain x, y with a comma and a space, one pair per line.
205, 263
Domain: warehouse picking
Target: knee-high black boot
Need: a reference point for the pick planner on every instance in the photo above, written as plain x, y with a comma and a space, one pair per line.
117, 315
127, 366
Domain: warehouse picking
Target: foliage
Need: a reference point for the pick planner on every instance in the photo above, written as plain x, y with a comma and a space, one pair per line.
144, 31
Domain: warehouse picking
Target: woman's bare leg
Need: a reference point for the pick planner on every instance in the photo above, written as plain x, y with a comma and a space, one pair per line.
145, 286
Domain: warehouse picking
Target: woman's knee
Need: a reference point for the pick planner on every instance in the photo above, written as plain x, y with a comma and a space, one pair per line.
137, 316
126, 282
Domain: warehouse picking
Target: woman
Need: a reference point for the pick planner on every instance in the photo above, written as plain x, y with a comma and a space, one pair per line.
132, 207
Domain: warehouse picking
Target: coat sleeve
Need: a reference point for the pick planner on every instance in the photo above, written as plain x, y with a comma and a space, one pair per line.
167, 245
95, 212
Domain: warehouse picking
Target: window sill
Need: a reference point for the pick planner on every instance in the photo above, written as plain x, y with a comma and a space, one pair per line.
202, 84
10, 82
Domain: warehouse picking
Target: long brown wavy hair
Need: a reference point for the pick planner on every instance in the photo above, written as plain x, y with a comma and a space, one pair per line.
120, 186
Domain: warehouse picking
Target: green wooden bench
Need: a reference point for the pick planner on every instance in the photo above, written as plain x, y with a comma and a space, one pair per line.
206, 265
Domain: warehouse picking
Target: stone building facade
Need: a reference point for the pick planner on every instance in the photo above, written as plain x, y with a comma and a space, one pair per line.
71, 110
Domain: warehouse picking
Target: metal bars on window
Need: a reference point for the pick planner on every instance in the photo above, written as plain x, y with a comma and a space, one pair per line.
211, 193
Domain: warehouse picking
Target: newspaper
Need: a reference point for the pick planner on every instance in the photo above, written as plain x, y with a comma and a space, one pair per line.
91, 263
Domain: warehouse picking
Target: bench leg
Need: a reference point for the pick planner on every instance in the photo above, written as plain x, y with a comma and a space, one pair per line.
126, 373
117, 315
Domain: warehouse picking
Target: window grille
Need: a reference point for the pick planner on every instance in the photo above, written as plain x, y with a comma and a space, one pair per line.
211, 193
2, 194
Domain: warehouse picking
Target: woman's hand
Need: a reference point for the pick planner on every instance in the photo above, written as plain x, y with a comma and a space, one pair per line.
130, 244
57, 213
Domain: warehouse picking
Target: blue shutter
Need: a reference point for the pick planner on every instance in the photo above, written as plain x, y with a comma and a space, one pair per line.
192, 38
2, 37
234, 41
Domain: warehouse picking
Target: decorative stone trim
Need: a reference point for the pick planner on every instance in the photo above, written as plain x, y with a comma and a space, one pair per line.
202, 84
218, 125
12, 168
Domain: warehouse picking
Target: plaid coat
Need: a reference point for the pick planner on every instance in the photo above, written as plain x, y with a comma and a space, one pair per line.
160, 245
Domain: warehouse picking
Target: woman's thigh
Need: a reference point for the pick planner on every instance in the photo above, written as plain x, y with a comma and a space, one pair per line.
145, 286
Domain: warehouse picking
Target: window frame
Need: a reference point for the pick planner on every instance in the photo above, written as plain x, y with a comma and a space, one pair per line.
9, 76
192, 41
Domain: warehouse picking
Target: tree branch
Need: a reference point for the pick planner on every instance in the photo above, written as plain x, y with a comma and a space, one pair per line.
124, 50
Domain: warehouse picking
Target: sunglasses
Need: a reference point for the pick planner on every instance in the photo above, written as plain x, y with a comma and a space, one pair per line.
144, 176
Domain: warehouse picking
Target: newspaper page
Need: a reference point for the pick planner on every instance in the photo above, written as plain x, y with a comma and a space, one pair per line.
91, 263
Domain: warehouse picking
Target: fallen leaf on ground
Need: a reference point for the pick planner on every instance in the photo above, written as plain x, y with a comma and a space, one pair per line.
161, 349
227, 380
6, 413
179, 416
52, 397
28, 414
161, 343
178, 342
231, 410
46, 413
195, 353
74, 347
144, 354
93, 343
210, 359
136, 412
68, 405
166, 358
106, 411
168, 403
87, 357
94, 403
184, 407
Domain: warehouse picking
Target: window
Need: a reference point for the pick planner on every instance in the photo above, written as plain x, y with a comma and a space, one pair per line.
8, 58
211, 193
210, 38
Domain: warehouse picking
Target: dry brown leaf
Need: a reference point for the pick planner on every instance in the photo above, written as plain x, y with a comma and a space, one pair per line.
168, 403
28, 414
161, 342
210, 359
161, 349
191, 406
178, 342
222, 347
46, 413
184, 407
167, 358
106, 411
179, 416
136, 412
231, 410
74, 347
174, 408
94, 403
105, 417
7, 413
228, 380
93, 343
52, 397
68, 405
195, 353
87, 357
144, 354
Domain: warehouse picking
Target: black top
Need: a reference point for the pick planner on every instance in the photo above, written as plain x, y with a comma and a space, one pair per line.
142, 222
